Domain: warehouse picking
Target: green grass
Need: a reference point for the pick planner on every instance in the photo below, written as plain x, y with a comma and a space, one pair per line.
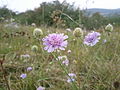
97, 67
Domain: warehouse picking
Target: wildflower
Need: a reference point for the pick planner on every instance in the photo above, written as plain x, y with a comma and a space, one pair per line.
66, 62
37, 32
29, 69
78, 32
92, 38
41, 88
23, 76
55, 41
109, 28
71, 77
34, 48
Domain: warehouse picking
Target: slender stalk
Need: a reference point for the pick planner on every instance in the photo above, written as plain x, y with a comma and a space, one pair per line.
66, 72
6, 81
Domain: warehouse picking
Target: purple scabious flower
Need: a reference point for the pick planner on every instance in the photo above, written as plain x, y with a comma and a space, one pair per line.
92, 38
23, 76
29, 69
55, 41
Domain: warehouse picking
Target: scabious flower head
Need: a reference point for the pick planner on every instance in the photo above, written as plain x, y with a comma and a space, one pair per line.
34, 48
92, 38
109, 28
41, 88
37, 32
78, 32
55, 41
29, 69
23, 76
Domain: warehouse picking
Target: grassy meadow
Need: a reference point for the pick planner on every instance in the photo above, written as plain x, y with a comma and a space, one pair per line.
96, 67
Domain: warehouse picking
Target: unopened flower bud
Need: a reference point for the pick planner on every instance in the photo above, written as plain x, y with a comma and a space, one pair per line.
78, 32
109, 28
37, 32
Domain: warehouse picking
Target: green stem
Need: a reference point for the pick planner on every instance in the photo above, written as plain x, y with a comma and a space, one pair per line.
66, 72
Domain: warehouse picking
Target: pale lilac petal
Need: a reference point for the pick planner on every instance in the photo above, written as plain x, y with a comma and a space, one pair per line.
65, 37
46, 48
64, 43
61, 48
50, 49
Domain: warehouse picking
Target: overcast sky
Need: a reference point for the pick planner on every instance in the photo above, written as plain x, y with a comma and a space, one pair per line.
23, 5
